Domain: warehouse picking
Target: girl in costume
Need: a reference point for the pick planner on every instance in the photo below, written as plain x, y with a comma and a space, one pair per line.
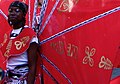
20, 47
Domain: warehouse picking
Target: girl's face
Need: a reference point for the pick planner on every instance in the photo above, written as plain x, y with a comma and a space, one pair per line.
15, 15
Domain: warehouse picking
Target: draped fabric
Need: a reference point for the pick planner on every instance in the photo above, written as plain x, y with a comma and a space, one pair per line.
4, 26
79, 39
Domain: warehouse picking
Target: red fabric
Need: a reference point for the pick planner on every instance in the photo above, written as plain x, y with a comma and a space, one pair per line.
117, 60
4, 27
2, 61
81, 54
19, 44
115, 81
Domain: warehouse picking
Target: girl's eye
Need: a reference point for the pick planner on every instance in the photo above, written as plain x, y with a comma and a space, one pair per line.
10, 10
17, 10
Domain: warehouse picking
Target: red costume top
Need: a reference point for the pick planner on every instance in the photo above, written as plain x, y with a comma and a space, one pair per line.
19, 44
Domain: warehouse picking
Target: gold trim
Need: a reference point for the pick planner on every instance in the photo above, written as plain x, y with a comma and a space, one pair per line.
87, 59
8, 48
67, 5
72, 50
58, 47
105, 63
5, 39
21, 43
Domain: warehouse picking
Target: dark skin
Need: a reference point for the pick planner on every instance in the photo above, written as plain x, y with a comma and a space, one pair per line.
32, 60
16, 16
39, 3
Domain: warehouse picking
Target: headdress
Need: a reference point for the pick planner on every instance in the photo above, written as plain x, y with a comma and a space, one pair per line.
20, 5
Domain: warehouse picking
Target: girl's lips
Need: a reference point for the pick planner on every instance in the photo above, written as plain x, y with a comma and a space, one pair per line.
12, 16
